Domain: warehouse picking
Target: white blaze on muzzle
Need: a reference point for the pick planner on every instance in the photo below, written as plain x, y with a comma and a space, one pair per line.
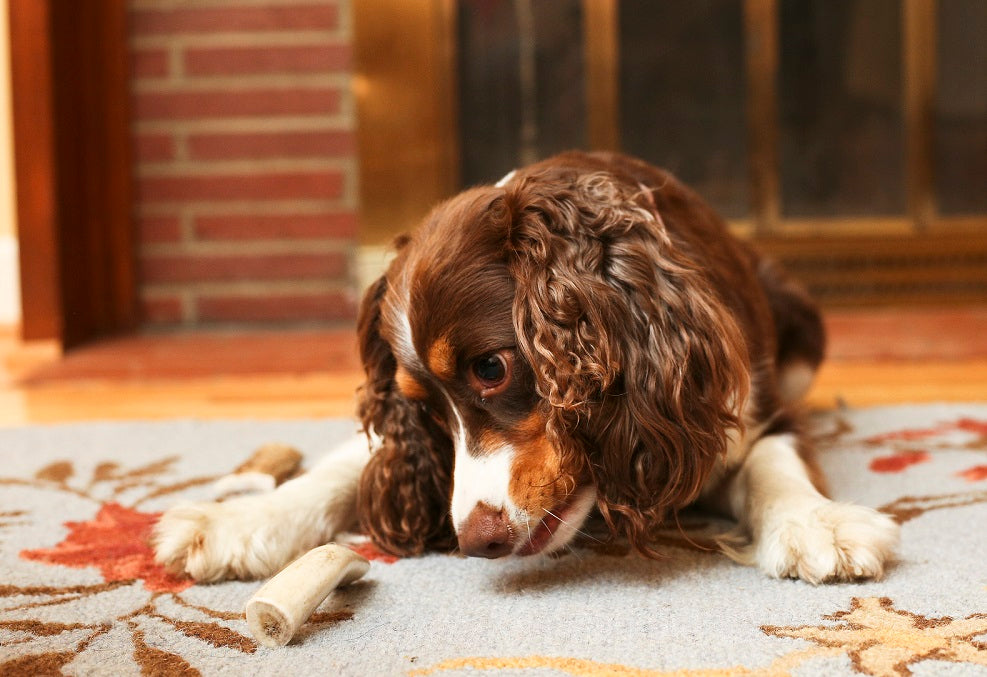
479, 479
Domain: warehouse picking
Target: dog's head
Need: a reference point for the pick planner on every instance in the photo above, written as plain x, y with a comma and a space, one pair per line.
534, 350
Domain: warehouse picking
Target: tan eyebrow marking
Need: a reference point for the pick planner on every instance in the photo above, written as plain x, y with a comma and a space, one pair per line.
409, 386
441, 359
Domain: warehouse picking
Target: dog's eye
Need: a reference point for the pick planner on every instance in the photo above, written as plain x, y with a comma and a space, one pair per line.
490, 374
490, 369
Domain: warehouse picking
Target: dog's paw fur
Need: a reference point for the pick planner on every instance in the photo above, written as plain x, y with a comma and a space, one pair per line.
216, 541
826, 543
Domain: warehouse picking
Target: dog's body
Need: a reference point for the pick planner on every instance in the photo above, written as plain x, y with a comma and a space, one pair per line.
584, 334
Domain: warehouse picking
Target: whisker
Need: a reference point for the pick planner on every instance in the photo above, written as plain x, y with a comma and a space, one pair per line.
578, 531
573, 552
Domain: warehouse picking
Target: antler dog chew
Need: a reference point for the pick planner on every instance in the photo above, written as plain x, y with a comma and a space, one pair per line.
279, 608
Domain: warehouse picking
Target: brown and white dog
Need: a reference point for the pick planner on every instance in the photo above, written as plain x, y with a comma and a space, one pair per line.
583, 335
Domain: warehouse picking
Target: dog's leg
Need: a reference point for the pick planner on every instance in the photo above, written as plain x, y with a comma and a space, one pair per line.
254, 536
789, 529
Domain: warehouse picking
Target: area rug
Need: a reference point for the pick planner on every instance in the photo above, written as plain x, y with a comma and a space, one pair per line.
81, 595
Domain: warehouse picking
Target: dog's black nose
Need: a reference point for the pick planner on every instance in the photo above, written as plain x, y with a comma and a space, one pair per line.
486, 533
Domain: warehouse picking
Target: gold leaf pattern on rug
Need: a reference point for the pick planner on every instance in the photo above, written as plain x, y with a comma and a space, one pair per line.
580, 667
45, 624
882, 640
571, 666
879, 639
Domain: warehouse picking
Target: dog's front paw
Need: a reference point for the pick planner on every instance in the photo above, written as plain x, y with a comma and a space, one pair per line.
831, 542
216, 541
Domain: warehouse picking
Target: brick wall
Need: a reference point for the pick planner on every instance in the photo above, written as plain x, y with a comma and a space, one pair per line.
245, 160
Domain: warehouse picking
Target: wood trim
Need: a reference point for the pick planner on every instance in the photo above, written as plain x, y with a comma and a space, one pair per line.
960, 225
32, 112
843, 227
70, 91
406, 98
867, 245
761, 38
919, 74
871, 270
601, 42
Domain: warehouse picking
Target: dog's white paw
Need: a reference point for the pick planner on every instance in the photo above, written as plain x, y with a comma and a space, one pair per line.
832, 542
820, 543
216, 541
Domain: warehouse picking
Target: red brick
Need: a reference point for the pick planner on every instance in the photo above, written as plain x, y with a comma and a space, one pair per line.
162, 310
231, 19
154, 147
251, 60
183, 105
281, 186
160, 229
277, 308
276, 227
161, 268
269, 145
149, 63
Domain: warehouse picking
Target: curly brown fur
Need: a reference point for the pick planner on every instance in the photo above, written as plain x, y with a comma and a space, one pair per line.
403, 496
634, 352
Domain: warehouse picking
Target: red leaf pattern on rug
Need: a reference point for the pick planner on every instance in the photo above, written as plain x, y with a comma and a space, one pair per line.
115, 541
974, 474
899, 462
372, 552
909, 434
972, 425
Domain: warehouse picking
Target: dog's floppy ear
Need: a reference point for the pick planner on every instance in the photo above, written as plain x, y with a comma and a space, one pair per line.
642, 369
403, 497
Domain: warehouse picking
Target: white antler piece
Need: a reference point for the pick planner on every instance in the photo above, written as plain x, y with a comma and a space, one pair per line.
279, 608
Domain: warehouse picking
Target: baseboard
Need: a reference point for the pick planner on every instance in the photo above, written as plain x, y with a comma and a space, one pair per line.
10, 294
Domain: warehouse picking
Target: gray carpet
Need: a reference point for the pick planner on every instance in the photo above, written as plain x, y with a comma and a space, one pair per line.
79, 594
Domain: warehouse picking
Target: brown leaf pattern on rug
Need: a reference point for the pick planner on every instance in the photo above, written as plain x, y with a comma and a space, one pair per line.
157, 663
879, 635
116, 542
50, 663
57, 472
40, 629
908, 508
213, 633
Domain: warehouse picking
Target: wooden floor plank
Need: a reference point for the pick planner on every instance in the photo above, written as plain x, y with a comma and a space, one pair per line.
876, 357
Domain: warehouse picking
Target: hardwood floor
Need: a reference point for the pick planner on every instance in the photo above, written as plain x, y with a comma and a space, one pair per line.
875, 357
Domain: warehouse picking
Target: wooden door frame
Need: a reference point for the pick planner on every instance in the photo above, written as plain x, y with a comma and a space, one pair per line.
72, 165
